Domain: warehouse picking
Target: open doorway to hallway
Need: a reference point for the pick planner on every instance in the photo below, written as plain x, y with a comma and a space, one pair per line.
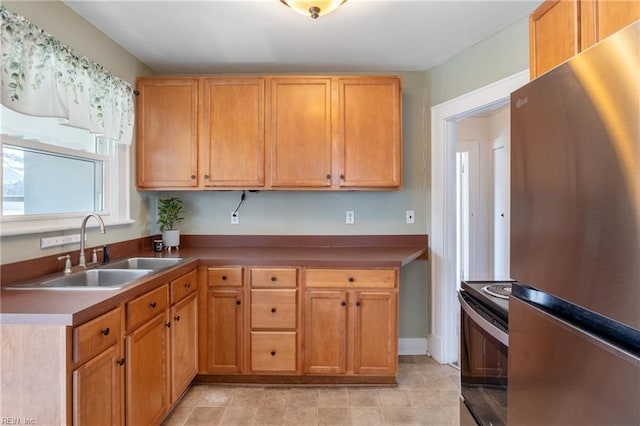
443, 339
482, 196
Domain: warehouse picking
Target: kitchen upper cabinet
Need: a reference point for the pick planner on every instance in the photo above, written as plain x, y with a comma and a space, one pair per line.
233, 141
270, 132
559, 30
369, 142
167, 133
300, 133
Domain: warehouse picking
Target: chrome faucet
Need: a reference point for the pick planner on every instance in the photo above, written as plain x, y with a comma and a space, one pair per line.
83, 228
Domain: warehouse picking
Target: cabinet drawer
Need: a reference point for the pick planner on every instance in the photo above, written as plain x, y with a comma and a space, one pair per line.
224, 277
376, 278
274, 277
91, 338
145, 307
183, 286
273, 351
273, 308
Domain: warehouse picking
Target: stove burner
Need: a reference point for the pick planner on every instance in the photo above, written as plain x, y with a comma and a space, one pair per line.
502, 291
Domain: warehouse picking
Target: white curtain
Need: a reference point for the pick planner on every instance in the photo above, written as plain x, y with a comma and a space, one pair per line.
43, 77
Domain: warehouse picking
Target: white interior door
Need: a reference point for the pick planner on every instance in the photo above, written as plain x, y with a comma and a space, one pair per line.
467, 209
501, 189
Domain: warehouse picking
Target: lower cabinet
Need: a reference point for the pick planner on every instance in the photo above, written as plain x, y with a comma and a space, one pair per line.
147, 358
296, 321
161, 349
350, 322
353, 332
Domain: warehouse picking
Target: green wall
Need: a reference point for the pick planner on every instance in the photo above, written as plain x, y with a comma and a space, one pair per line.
295, 212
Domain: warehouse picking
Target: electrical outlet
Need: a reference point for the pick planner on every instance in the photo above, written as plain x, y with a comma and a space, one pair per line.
60, 240
235, 218
409, 217
350, 217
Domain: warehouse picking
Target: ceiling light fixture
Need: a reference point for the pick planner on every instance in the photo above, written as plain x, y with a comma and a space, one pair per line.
313, 8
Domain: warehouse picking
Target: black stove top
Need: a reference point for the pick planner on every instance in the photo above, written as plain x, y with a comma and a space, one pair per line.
493, 294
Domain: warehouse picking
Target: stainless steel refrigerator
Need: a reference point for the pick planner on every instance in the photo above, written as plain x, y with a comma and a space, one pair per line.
574, 314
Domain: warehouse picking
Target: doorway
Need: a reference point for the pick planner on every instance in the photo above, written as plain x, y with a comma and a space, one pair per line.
442, 342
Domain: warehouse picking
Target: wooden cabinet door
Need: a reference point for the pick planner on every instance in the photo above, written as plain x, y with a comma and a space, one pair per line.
553, 35
233, 148
369, 135
167, 138
325, 322
601, 18
224, 330
375, 334
147, 381
184, 344
299, 132
97, 390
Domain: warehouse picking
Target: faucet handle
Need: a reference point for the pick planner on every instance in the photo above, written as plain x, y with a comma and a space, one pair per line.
67, 263
94, 257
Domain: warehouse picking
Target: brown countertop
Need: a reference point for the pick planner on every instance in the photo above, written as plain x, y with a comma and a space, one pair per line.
71, 308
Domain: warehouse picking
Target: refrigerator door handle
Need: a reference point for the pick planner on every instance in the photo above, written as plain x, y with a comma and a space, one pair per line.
491, 329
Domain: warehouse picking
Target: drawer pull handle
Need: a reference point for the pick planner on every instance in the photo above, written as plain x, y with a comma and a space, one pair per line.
273, 353
343, 303
153, 305
273, 310
351, 279
358, 304
120, 361
187, 285
106, 331
167, 324
177, 318
238, 302
274, 279
224, 278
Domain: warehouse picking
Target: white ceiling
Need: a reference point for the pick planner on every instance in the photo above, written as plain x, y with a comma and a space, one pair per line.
266, 36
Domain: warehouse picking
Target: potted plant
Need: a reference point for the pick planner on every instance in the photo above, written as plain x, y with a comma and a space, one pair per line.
169, 214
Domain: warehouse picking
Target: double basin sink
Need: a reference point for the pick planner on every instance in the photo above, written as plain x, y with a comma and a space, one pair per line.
111, 276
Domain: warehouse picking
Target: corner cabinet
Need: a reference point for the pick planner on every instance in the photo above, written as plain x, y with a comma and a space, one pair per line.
167, 133
559, 30
270, 132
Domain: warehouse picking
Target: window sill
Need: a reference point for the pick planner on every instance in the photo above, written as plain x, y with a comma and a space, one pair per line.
9, 228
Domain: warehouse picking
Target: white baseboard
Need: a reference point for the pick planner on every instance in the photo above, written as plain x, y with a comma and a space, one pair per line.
414, 346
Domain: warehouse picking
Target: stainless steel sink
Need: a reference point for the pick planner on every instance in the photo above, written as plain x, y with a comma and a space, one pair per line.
154, 263
93, 279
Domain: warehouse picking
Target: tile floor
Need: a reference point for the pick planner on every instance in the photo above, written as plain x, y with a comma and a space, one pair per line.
427, 394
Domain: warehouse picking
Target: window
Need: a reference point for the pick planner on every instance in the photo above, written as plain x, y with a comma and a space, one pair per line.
53, 174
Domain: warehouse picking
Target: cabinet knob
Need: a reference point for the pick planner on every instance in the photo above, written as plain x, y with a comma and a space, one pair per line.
358, 304
206, 176
343, 303
342, 177
167, 324
273, 310
238, 302
177, 318
120, 361
351, 279
187, 285
106, 331
224, 278
328, 176
193, 176
153, 305
274, 279
273, 353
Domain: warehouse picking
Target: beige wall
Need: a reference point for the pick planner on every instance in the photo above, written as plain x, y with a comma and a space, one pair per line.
273, 212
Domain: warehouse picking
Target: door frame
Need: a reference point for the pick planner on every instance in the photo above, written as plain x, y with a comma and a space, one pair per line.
442, 343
